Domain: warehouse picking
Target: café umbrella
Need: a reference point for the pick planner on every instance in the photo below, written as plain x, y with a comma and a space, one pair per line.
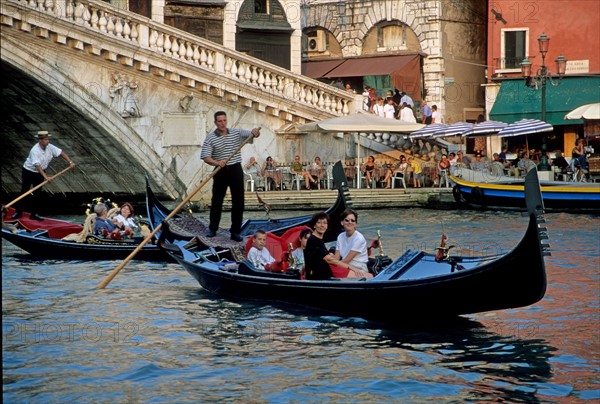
485, 128
525, 127
428, 130
454, 129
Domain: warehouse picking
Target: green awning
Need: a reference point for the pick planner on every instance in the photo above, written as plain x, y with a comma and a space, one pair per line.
516, 101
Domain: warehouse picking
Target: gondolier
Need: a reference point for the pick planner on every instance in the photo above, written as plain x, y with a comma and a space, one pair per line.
34, 171
217, 148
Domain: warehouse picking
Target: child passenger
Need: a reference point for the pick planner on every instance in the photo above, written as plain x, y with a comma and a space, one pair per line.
259, 255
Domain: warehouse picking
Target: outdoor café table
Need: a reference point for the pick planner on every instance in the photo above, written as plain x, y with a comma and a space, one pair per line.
276, 176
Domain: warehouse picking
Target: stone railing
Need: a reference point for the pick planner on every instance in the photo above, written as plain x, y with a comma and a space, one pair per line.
268, 83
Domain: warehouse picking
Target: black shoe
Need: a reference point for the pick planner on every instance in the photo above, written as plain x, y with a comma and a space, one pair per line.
236, 237
211, 233
35, 216
16, 215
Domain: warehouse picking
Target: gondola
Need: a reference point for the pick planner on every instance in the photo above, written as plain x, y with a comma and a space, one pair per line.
417, 284
44, 238
482, 191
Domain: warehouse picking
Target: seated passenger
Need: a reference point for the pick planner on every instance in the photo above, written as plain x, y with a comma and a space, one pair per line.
319, 263
351, 246
124, 220
298, 253
258, 255
400, 167
104, 226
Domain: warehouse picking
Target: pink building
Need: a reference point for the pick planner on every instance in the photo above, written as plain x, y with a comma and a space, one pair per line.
573, 28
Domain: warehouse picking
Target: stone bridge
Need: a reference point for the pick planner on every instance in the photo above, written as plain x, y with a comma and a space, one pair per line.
127, 96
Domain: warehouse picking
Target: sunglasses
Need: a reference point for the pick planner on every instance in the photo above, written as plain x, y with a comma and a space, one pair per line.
350, 220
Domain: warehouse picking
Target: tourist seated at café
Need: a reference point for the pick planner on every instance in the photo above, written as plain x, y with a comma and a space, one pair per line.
298, 169
271, 172
369, 169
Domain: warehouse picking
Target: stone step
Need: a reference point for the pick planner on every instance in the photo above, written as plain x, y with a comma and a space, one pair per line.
360, 199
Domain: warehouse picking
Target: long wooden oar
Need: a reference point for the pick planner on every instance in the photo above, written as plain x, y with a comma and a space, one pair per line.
115, 271
38, 186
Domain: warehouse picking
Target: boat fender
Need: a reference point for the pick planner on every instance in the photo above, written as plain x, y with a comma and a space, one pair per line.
456, 193
477, 195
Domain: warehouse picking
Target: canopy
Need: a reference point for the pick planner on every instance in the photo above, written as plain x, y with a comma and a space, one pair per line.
360, 123
588, 111
428, 130
517, 101
485, 128
457, 128
525, 127
404, 70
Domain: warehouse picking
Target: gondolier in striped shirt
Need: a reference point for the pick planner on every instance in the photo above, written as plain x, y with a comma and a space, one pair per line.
218, 146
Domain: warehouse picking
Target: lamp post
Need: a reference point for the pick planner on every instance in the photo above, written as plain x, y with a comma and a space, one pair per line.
543, 75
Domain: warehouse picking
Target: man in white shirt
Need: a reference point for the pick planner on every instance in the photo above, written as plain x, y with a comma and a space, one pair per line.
388, 110
34, 172
436, 115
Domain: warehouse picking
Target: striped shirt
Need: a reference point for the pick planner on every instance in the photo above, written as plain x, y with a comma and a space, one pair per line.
221, 147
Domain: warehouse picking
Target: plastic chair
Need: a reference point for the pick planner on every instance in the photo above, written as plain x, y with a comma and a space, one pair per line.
249, 181
399, 176
443, 174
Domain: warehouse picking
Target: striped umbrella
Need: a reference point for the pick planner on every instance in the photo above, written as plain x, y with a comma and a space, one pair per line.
485, 128
428, 130
457, 128
525, 127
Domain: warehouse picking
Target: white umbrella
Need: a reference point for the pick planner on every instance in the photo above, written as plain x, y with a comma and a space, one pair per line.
485, 128
428, 130
525, 127
457, 128
360, 123
588, 111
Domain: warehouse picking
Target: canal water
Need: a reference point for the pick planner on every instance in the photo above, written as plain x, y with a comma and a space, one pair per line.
155, 336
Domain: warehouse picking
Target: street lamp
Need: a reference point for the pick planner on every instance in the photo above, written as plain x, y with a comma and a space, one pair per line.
543, 75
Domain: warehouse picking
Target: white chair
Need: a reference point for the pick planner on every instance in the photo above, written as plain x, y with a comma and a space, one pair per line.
443, 177
249, 181
399, 176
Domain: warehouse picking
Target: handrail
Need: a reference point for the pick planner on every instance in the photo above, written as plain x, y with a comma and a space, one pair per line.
177, 45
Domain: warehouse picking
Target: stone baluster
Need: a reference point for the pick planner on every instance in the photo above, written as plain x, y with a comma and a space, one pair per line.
228, 66
86, 17
167, 45
189, 52
127, 30
211, 60
134, 32
308, 95
103, 22
234, 68
254, 78
153, 38
249, 74
160, 42
79, 13
260, 77
118, 27
321, 102
40, 4
268, 81
195, 54
280, 84
183, 50
110, 26
175, 48
241, 71
203, 57
94, 19
69, 10
327, 101
345, 109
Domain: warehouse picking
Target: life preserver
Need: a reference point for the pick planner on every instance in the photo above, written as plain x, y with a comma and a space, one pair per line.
456, 193
477, 195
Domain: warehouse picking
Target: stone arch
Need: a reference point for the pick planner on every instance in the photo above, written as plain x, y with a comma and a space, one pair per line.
329, 48
390, 37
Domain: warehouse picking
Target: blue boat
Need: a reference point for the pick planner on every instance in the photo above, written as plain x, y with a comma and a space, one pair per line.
485, 191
